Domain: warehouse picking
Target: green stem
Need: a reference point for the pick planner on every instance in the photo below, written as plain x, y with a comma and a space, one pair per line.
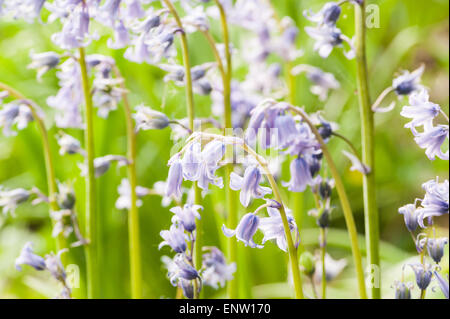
323, 249
91, 204
346, 208
232, 212
368, 150
49, 167
292, 251
133, 213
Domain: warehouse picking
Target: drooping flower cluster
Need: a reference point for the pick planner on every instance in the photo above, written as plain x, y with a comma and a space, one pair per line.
51, 262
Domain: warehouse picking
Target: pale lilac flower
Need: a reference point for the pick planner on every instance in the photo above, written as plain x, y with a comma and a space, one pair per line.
402, 290
217, 272
423, 274
431, 140
121, 36
328, 14
68, 144
43, 62
54, 265
175, 238
179, 268
323, 81
102, 164
326, 39
211, 155
443, 284
159, 188
148, 119
16, 114
245, 230
421, 111
333, 268
435, 202
273, 229
300, 175
175, 177
28, 257
285, 130
68, 100
249, 185
60, 225
191, 162
357, 165
10, 199
124, 190
134, 9
186, 215
407, 82
435, 248
410, 214
29, 10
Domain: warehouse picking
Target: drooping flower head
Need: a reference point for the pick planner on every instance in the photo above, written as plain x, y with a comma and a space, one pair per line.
408, 82
249, 185
186, 215
28, 257
175, 238
217, 272
273, 228
245, 230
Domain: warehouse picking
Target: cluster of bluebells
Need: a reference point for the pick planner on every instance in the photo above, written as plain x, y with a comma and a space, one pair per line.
182, 272
420, 215
51, 263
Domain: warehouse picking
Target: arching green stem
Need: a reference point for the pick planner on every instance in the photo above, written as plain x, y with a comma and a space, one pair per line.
346, 208
49, 167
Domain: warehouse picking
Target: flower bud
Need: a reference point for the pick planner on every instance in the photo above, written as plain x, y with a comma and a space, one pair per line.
323, 220
148, 119
307, 262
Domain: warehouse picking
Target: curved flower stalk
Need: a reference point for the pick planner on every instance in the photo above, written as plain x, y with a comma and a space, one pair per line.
204, 169
21, 114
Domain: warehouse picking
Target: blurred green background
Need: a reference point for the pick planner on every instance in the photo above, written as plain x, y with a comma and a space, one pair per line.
410, 33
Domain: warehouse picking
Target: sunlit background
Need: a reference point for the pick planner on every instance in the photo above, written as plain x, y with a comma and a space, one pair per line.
411, 33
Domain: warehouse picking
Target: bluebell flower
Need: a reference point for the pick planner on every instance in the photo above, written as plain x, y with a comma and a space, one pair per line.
285, 130
327, 38
249, 185
124, 190
402, 290
357, 165
28, 257
179, 268
212, 153
69, 145
431, 140
16, 114
67, 102
191, 162
323, 81
421, 111
187, 215
435, 248
134, 9
10, 199
423, 274
29, 10
245, 230
175, 238
333, 268
328, 14
175, 177
273, 228
121, 36
102, 164
300, 175
217, 272
435, 201
407, 82
410, 214
148, 119
443, 284
54, 265
43, 62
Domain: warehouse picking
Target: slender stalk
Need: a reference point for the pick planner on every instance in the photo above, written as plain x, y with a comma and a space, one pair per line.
49, 167
91, 203
232, 220
292, 251
368, 150
133, 212
346, 208
323, 248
